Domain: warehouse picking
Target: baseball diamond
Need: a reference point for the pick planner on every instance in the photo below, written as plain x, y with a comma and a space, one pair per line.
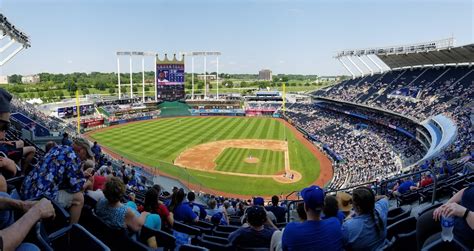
246, 156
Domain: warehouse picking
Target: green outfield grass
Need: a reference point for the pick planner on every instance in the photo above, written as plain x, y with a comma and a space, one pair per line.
232, 160
158, 142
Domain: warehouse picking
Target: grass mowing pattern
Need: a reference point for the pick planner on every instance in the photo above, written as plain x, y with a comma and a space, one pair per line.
232, 160
158, 142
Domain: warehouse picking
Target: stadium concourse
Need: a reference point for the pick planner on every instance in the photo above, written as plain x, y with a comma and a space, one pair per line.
401, 142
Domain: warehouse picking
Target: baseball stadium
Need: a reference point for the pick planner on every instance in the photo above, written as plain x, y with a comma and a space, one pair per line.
132, 128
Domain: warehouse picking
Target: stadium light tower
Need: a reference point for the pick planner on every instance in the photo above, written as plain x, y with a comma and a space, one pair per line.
132, 54
9, 31
204, 54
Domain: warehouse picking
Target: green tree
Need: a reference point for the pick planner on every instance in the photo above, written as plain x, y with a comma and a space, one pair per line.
111, 91
15, 79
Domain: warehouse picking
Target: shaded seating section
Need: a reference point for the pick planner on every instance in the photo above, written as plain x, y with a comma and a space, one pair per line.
397, 214
426, 227
189, 247
115, 239
404, 232
73, 237
163, 239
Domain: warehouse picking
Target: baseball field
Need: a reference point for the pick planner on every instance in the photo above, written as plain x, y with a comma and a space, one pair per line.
227, 155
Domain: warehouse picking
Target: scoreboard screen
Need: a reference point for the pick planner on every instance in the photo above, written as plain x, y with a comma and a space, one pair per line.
170, 79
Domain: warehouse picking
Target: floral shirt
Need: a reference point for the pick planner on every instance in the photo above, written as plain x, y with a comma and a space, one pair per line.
60, 169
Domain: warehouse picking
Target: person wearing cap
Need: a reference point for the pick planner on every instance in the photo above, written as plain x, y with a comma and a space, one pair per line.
14, 150
59, 176
344, 202
257, 234
259, 201
314, 232
367, 229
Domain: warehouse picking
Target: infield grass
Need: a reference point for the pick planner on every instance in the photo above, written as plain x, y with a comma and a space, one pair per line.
233, 160
157, 143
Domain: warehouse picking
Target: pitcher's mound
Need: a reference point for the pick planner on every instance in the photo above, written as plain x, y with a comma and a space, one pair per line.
251, 160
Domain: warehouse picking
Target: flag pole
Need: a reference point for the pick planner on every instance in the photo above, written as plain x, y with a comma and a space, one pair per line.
78, 113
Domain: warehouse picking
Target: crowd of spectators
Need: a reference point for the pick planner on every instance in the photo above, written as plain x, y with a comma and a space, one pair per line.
369, 151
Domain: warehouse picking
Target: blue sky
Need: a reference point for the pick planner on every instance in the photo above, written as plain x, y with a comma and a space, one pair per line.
285, 36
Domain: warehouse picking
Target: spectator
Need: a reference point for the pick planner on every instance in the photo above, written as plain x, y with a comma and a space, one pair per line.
229, 208
278, 211
216, 215
113, 212
331, 209
62, 180
344, 202
18, 152
461, 206
13, 151
181, 211
256, 234
197, 209
49, 145
468, 168
66, 141
259, 201
13, 233
367, 229
314, 233
96, 150
300, 211
445, 170
404, 187
426, 180
152, 204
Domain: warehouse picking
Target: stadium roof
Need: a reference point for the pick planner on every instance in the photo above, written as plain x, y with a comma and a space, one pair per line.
381, 59
455, 55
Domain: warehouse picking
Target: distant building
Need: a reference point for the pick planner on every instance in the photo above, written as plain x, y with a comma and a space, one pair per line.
208, 77
30, 79
3, 80
265, 74
328, 78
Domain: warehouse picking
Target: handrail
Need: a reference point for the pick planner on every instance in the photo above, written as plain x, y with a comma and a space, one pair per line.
381, 184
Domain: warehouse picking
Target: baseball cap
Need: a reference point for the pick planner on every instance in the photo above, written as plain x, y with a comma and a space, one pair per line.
258, 201
5, 99
313, 197
82, 142
256, 215
216, 218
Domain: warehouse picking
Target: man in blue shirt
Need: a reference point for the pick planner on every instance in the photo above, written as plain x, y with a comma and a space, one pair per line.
445, 170
278, 211
313, 233
59, 176
404, 187
257, 235
96, 150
